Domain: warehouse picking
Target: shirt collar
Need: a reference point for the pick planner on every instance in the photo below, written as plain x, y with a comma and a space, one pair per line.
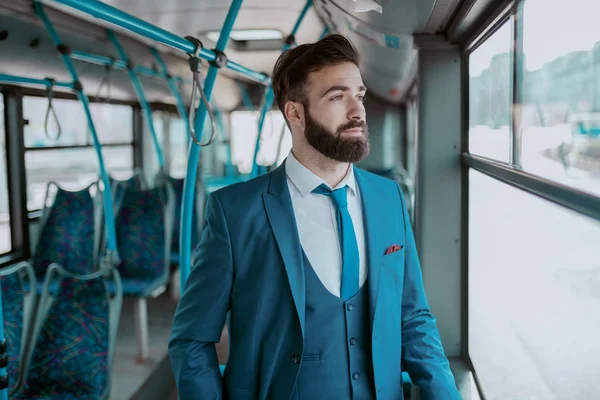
306, 181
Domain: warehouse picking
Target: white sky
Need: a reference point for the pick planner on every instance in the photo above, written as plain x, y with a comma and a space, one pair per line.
551, 29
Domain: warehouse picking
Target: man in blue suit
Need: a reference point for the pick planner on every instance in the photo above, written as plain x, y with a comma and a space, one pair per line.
316, 262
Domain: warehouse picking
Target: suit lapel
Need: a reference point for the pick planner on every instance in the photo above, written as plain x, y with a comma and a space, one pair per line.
373, 217
280, 212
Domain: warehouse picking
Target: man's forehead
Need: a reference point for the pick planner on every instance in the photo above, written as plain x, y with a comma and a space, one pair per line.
346, 74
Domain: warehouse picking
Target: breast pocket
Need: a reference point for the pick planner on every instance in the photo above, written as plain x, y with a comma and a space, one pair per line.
392, 268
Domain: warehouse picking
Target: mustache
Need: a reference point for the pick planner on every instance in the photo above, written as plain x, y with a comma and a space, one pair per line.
351, 125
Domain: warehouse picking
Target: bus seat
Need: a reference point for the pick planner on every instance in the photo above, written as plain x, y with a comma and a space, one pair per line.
73, 340
143, 225
18, 303
118, 186
177, 184
68, 233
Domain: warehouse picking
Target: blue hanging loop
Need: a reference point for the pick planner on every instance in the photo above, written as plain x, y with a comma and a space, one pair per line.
49, 91
195, 67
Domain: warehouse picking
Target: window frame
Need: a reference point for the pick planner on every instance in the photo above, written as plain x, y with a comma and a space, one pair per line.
20, 216
511, 174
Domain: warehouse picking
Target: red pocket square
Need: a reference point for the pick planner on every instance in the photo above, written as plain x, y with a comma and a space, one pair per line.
393, 249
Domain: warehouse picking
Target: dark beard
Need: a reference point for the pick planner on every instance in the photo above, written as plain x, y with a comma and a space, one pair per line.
333, 145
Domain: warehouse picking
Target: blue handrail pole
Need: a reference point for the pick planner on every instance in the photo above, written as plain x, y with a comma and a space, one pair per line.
269, 95
118, 64
115, 16
164, 71
194, 151
325, 32
106, 193
139, 91
4, 78
3, 373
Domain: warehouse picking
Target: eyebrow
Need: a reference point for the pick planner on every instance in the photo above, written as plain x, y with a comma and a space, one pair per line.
361, 88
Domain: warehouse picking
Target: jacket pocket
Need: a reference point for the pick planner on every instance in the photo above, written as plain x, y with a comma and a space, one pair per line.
311, 357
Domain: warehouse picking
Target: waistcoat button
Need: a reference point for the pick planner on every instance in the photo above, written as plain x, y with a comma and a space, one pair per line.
353, 341
350, 307
355, 375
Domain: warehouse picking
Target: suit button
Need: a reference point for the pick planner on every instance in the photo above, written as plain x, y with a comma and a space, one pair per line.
355, 375
296, 358
353, 341
350, 307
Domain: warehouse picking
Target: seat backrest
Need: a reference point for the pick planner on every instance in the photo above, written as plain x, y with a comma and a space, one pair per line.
74, 336
178, 185
143, 225
118, 187
18, 302
68, 233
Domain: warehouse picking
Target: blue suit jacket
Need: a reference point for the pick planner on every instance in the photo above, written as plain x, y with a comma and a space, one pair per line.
249, 261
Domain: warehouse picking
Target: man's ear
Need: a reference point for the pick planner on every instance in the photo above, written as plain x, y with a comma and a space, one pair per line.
294, 113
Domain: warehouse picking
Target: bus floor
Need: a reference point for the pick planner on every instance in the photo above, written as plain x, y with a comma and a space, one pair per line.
128, 375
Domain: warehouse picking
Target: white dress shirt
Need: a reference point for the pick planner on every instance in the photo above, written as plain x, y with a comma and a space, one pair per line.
316, 218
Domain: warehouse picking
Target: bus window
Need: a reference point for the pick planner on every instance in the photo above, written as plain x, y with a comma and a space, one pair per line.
490, 96
5, 239
71, 160
560, 120
534, 276
244, 130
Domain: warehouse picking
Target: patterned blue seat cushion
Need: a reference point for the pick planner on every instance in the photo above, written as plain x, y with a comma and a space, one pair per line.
133, 287
13, 292
70, 357
67, 237
140, 230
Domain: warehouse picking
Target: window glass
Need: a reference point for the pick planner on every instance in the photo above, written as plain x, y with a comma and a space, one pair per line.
113, 123
490, 96
178, 147
244, 131
560, 119
72, 169
5, 239
534, 295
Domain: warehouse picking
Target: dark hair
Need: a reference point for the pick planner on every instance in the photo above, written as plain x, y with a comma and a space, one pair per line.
294, 65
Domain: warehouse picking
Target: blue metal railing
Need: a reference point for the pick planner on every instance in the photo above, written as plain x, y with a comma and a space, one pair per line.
115, 16
139, 91
269, 96
112, 253
32, 81
194, 152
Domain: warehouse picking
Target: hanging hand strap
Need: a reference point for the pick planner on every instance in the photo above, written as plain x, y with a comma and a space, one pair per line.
105, 81
195, 64
51, 109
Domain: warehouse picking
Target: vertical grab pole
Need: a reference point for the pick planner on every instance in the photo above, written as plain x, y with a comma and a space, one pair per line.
112, 254
173, 88
269, 95
3, 355
139, 91
194, 151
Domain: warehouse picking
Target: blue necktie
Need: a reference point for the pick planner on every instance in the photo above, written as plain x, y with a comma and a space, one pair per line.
350, 258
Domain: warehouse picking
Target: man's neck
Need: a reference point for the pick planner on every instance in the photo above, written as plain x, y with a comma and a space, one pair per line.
331, 171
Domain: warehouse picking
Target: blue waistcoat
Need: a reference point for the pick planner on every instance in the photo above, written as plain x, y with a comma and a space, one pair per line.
336, 363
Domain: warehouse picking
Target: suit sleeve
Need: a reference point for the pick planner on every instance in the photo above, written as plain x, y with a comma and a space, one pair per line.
422, 350
202, 309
